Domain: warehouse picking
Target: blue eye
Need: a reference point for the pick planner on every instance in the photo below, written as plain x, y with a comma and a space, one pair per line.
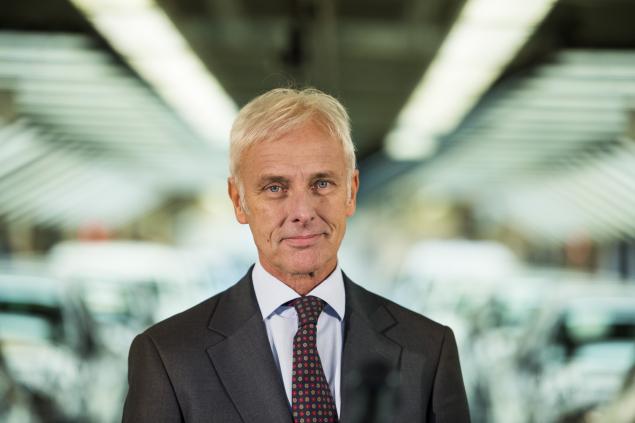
322, 184
274, 188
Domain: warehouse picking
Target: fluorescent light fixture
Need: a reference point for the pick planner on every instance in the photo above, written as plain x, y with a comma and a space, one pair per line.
143, 34
124, 127
485, 38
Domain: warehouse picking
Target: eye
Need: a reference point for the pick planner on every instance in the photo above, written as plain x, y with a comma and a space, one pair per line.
274, 188
322, 184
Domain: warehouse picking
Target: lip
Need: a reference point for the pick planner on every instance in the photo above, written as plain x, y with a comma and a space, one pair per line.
300, 241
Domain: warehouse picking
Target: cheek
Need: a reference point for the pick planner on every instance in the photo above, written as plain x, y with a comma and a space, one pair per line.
268, 222
334, 215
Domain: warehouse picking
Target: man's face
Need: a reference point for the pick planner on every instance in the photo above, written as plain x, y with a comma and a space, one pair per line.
296, 201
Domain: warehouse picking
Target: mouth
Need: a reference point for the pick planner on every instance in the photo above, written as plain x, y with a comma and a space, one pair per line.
302, 241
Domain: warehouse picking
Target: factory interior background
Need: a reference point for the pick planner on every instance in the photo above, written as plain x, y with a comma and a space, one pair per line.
495, 142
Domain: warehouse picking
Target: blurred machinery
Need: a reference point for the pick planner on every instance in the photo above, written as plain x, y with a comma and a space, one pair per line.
495, 141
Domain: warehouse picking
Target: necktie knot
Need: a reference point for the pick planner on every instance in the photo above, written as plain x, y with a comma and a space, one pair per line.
308, 309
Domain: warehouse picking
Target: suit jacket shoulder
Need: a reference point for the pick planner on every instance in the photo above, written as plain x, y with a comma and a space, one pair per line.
178, 328
421, 351
199, 365
414, 330
185, 327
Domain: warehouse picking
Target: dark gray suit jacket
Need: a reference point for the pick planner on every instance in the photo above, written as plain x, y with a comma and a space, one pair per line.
213, 362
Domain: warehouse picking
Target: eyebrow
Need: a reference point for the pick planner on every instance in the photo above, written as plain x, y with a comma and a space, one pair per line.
268, 179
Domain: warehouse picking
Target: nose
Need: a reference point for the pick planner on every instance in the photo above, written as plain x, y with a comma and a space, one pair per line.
301, 207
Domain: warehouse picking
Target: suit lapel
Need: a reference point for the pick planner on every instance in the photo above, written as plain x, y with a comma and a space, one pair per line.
367, 321
242, 357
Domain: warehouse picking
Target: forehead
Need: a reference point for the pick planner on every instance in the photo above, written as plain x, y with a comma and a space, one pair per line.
306, 149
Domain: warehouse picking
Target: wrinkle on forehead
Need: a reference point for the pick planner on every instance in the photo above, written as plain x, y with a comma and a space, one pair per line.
270, 165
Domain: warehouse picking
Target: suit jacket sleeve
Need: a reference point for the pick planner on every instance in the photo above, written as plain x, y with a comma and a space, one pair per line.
449, 401
151, 397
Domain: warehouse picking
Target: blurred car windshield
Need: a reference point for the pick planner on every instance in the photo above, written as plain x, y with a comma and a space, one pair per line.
30, 322
584, 324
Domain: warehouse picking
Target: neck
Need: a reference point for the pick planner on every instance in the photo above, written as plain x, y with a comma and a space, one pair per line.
302, 283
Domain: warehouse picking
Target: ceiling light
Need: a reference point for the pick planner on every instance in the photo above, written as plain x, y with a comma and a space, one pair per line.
485, 38
144, 35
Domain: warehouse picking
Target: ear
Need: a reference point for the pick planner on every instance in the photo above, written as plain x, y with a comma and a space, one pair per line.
351, 204
234, 195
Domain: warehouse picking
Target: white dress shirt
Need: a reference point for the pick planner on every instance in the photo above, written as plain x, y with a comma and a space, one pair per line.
282, 323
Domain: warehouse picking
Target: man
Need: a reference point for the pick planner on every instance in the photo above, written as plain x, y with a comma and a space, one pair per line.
285, 343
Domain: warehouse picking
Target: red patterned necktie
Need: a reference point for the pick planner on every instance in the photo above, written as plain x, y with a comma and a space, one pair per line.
310, 393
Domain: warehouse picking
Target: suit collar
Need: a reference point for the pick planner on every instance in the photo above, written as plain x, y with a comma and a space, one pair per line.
369, 307
234, 307
242, 357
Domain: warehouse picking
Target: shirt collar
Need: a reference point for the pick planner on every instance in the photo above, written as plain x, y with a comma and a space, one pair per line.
271, 293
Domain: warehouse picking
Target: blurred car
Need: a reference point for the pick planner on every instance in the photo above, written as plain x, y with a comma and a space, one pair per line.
576, 352
135, 281
621, 409
457, 276
451, 281
496, 331
125, 286
43, 342
15, 401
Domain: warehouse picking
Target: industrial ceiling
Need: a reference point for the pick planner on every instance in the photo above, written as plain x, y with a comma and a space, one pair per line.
372, 55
